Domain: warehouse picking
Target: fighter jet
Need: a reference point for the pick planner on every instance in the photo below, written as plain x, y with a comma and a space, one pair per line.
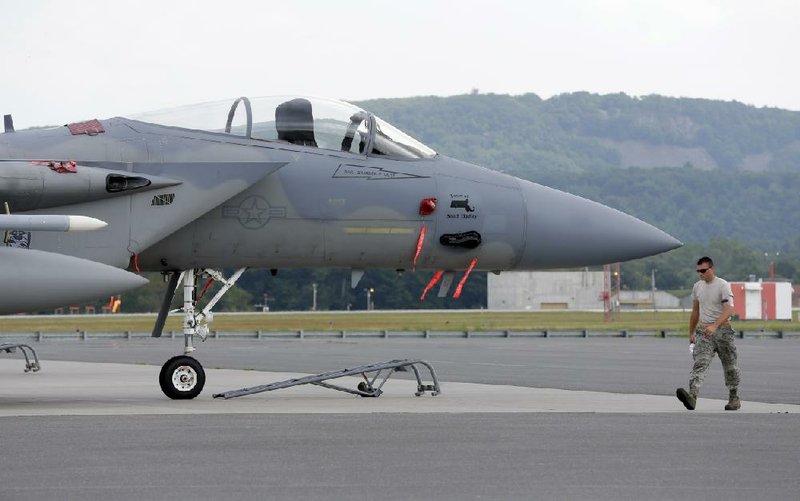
273, 183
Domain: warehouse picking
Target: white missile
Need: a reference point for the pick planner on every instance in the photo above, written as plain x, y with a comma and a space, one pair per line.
48, 222
85, 223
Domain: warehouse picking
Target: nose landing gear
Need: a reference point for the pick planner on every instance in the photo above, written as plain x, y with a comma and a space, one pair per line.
182, 377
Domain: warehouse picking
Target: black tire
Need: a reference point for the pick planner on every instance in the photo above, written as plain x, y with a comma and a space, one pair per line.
182, 378
362, 386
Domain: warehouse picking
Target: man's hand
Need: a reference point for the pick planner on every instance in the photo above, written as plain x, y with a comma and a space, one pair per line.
692, 338
709, 329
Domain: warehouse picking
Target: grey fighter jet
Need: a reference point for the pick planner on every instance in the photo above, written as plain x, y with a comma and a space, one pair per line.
287, 182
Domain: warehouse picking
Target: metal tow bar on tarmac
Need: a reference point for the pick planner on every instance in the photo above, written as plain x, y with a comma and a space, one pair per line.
365, 388
31, 359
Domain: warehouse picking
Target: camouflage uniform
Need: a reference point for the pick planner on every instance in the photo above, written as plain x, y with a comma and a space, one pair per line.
720, 342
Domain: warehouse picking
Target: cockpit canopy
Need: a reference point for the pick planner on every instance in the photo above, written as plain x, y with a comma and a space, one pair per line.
316, 122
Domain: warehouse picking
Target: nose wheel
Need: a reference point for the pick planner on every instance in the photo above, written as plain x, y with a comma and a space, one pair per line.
182, 378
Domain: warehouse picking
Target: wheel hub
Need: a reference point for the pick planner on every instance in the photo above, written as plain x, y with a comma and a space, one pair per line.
184, 378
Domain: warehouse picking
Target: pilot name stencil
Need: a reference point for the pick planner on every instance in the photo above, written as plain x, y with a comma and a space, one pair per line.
350, 171
253, 212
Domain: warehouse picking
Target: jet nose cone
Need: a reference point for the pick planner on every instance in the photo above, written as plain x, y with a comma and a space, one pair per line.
565, 231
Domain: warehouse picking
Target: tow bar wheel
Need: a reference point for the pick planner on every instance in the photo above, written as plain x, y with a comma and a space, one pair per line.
182, 378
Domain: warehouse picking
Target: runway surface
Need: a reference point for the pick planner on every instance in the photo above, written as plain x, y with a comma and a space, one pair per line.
518, 419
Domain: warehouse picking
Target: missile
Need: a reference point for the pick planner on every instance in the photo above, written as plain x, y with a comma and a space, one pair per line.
32, 280
46, 222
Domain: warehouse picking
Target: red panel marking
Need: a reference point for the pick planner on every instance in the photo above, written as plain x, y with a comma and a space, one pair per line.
768, 300
739, 300
90, 127
60, 167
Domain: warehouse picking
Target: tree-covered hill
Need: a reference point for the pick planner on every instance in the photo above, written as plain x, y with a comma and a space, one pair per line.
526, 135
704, 169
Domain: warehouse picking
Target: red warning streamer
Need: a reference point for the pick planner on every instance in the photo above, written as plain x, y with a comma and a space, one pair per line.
436, 277
457, 293
205, 289
420, 241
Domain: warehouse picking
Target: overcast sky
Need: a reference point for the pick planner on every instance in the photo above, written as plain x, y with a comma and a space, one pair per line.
63, 61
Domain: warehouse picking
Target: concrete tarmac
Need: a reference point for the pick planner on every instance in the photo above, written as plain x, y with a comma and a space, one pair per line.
635, 365
80, 430
93, 389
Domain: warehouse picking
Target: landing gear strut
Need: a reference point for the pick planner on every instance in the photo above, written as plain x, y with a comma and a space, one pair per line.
182, 377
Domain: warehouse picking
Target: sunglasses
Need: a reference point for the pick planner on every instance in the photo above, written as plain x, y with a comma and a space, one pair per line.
703, 270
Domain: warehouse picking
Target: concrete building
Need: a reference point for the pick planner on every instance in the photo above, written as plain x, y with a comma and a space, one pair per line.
661, 300
545, 290
565, 290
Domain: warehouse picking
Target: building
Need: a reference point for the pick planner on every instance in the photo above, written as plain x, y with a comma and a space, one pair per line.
660, 300
762, 300
565, 290
545, 290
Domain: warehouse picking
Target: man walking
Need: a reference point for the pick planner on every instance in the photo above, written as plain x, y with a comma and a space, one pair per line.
710, 331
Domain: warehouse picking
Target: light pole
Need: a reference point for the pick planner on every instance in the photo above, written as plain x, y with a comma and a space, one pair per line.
369, 297
653, 287
617, 303
314, 297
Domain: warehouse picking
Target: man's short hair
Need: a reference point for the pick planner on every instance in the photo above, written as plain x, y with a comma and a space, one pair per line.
705, 259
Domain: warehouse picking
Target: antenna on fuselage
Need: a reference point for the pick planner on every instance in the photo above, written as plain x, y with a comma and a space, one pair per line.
8, 122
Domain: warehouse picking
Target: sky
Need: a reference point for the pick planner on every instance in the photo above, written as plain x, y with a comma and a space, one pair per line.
66, 61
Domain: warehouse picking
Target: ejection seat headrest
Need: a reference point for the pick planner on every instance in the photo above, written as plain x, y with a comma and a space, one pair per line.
295, 122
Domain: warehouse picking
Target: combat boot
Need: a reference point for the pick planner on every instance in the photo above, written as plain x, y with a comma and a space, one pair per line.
688, 399
734, 404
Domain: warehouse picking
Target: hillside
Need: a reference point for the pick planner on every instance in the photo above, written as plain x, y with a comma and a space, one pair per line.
525, 134
698, 169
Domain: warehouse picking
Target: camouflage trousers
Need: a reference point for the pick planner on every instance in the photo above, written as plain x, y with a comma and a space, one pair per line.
720, 342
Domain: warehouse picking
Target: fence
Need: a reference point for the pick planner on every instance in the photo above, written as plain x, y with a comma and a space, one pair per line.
380, 334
